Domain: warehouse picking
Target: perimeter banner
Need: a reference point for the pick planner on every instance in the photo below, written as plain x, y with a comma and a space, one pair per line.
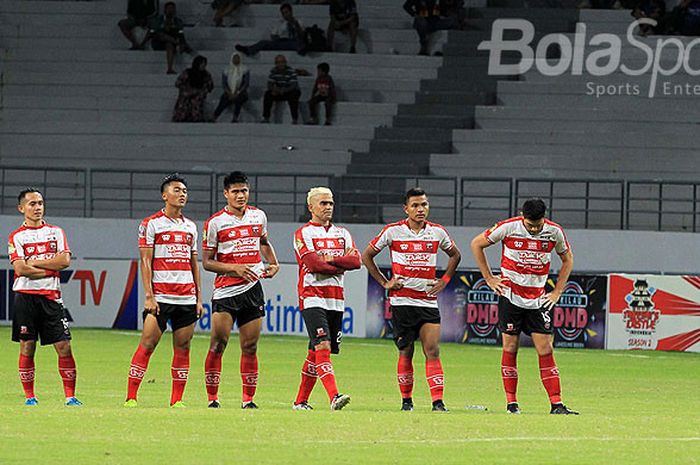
469, 311
654, 312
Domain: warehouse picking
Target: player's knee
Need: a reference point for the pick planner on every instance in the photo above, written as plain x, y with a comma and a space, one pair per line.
432, 352
510, 347
27, 348
149, 344
218, 345
63, 348
249, 347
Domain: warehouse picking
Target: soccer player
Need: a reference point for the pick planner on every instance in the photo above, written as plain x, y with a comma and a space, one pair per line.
523, 305
413, 290
235, 238
172, 286
38, 251
324, 253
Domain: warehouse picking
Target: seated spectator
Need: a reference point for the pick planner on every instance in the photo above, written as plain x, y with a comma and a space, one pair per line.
344, 17
194, 84
288, 35
235, 81
684, 19
282, 84
139, 13
323, 91
167, 34
224, 8
434, 15
652, 9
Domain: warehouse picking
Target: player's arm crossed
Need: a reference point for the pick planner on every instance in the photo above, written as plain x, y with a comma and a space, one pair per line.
59, 262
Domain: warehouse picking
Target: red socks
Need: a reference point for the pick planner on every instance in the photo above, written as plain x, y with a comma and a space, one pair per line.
549, 373
249, 375
212, 374
26, 375
509, 372
308, 378
179, 370
139, 364
435, 377
325, 372
404, 373
66, 368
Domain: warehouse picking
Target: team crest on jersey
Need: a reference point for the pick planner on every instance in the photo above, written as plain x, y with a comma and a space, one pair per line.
341, 241
545, 245
429, 245
256, 230
53, 247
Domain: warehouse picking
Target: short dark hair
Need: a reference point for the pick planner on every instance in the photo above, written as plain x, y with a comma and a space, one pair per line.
286, 6
167, 4
413, 192
174, 177
235, 177
534, 209
325, 67
23, 193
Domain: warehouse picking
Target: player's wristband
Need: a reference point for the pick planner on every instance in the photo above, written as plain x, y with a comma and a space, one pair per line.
445, 278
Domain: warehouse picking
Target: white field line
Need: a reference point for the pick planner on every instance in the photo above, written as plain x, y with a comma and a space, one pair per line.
513, 438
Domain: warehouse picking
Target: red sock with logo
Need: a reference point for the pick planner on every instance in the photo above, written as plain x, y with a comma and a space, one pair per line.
308, 378
66, 368
212, 374
324, 368
435, 378
249, 375
509, 373
549, 373
139, 364
26, 375
180, 370
404, 373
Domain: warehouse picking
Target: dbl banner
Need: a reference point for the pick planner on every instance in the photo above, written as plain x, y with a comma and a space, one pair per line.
469, 312
654, 312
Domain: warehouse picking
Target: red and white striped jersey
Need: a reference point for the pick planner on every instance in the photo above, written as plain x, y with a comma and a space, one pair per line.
526, 259
316, 289
237, 241
173, 241
413, 260
38, 243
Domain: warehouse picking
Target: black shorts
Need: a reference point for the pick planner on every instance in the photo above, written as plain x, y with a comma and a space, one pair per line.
180, 316
408, 320
38, 317
513, 319
323, 325
243, 308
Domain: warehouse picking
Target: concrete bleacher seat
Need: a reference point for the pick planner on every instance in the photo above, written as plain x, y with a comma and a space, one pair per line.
72, 94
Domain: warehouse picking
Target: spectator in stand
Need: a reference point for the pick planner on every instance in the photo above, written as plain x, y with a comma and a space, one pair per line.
652, 9
282, 85
167, 34
344, 18
235, 81
323, 91
194, 84
224, 8
139, 13
684, 19
434, 15
288, 35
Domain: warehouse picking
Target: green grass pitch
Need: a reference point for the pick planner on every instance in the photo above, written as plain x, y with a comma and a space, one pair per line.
636, 408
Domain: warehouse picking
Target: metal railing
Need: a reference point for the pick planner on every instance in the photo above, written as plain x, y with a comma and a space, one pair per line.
576, 203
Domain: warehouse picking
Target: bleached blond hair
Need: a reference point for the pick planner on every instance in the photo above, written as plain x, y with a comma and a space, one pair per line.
314, 191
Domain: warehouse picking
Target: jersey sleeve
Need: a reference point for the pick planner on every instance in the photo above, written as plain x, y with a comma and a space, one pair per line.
446, 242
146, 234
209, 235
349, 241
303, 244
497, 232
195, 238
562, 243
14, 248
382, 240
264, 224
62, 245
